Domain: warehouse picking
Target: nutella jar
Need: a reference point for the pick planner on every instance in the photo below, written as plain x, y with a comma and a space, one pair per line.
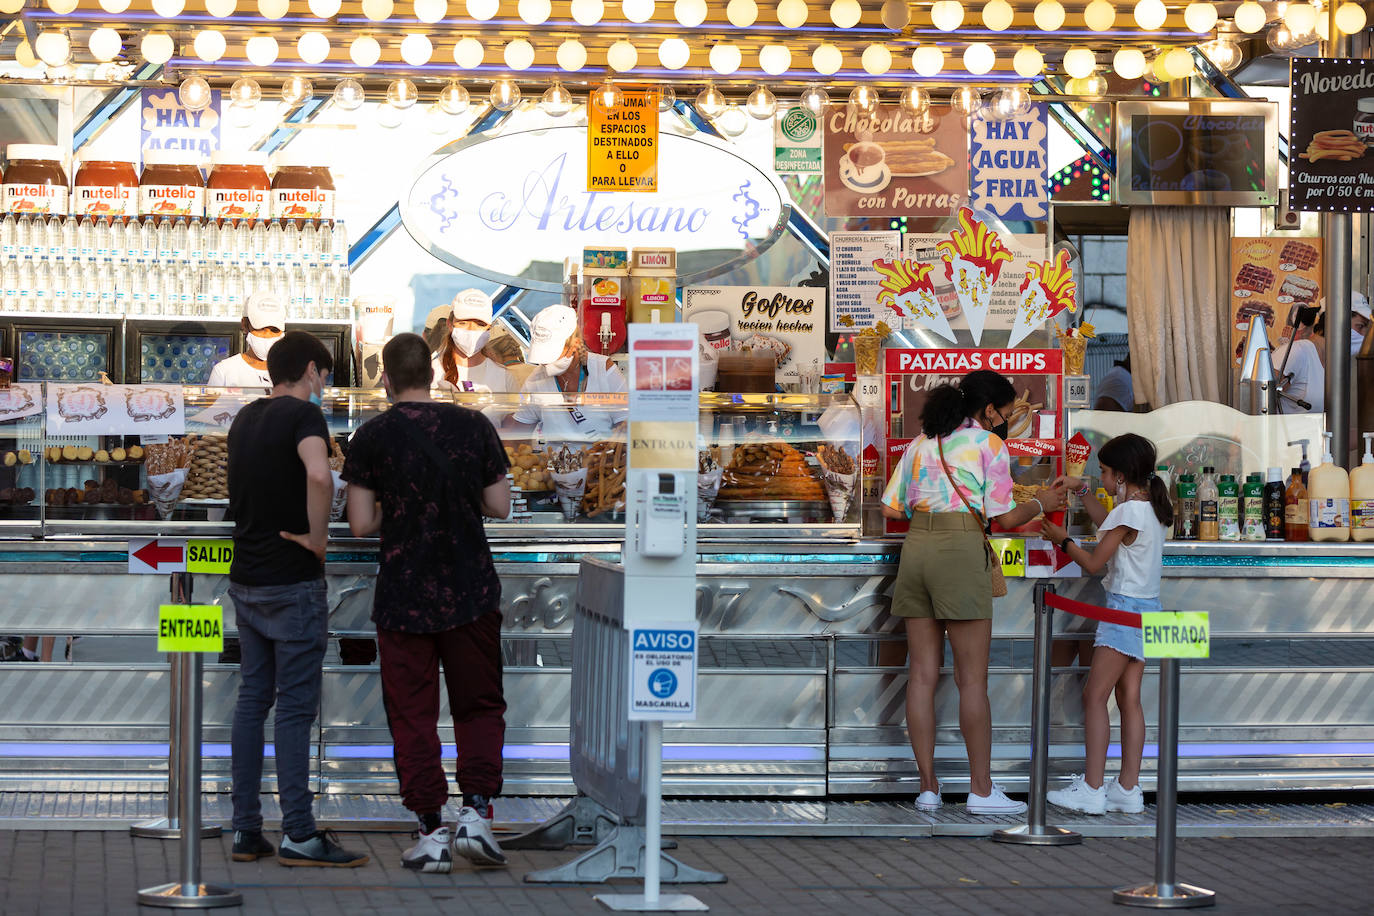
238, 187
171, 184
35, 181
301, 190
1364, 120
105, 187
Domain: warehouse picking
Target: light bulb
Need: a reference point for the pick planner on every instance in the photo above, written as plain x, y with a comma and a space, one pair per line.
1180, 63
1049, 15
556, 101
711, 103
113, 7
914, 100
792, 13
504, 95
401, 94
1350, 18
998, 15
169, 9
876, 60
814, 98
1301, 18
518, 54
895, 14
1010, 102
667, 98
690, 13
1079, 62
157, 47
826, 59
1028, 62
416, 49
534, 12
1225, 54
947, 15
349, 95
325, 9
587, 12
732, 121
1129, 63
468, 53
194, 93
312, 47
979, 58
429, 11
389, 117
365, 51
273, 9
24, 56
761, 104
1099, 15
864, 99
261, 50
55, 48
742, 13
725, 59
296, 89
1091, 86
378, 10
774, 59
673, 53
482, 10
966, 100
1200, 17
637, 10
105, 44
1150, 14
209, 45
928, 60
453, 99
221, 9
571, 55
245, 93
846, 13
61, 7
607, 97
622, 56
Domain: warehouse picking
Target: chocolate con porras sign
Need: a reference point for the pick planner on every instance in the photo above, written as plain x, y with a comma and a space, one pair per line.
890, 162
498, 206
1329, 166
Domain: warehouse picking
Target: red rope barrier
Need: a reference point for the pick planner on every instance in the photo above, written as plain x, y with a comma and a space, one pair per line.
1092, 611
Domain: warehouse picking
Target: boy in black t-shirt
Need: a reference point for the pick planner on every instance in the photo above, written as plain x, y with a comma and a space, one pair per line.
279, 493
423, 474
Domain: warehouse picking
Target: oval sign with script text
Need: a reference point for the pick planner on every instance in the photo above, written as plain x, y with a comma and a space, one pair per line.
511, 207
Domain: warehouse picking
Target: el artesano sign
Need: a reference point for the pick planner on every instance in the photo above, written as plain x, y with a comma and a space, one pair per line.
497, 206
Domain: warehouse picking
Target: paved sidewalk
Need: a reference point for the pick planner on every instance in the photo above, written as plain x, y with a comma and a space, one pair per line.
99, 872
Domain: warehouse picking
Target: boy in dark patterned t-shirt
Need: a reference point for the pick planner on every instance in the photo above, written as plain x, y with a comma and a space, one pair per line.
423, 474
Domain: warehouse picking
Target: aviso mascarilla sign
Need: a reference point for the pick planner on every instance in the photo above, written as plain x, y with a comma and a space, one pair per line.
495, 206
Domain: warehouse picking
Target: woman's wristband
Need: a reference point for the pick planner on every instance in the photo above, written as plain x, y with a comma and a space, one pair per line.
1064, 544
1082, 491
1040, 504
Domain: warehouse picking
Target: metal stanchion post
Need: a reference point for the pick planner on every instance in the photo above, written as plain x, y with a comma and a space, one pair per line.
1035, 832
1165, 892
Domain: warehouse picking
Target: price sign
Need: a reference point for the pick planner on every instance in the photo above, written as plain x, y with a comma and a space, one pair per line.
1013, 554
622, 143
868, 391
1176, 634
190, 628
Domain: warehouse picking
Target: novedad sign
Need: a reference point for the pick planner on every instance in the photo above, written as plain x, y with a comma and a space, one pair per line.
495, 206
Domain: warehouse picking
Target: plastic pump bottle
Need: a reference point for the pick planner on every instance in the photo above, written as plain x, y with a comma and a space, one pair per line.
1362, 494
1328, 499
1306, 466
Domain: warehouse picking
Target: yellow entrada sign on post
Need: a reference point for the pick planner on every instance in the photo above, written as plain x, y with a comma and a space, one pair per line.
1013, 554
209, 556
1176, 634
190, 628
622, 142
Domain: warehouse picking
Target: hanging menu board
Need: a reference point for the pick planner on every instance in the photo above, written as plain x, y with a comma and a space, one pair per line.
622, 143
1213, 153
853, 281
1329, 167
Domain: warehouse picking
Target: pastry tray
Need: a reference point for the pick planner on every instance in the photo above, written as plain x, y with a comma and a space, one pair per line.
782, 510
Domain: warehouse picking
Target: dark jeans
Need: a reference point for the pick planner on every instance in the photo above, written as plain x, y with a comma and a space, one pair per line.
282, 633
471, 658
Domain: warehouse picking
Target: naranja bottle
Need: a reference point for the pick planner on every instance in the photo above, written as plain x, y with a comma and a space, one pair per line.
1295, 508
1328, 499
1186, 522
1208, 528
1273, 505
1362, 494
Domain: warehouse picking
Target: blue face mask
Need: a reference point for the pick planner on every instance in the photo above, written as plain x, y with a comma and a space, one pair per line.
316, 399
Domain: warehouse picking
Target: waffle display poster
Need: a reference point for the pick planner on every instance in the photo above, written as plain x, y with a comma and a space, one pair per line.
116, 410
890, 162
785, 322
1268, 277
1329, 167
1005, 297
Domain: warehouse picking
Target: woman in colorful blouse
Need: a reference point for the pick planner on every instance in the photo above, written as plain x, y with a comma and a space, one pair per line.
943, 585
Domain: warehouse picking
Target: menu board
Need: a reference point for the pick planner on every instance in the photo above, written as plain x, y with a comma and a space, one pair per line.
622, 143
1268, 278
890, 162
1216, 153
788, 322
1329, 167
853, 281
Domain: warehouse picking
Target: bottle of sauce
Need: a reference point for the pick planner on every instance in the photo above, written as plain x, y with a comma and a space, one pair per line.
35, 182
301, 189
1186, 518
105, 188
238, 188
171, 185
1274, 506
1208, 528
1328, 498
1252, 508
1295, 508
1362, 494
1228, 508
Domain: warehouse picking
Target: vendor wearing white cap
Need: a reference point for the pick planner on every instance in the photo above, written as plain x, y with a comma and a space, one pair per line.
264, 323
459, 363
562, 365
1359, 321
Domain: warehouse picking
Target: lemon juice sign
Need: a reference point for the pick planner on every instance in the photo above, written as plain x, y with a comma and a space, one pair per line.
797, 142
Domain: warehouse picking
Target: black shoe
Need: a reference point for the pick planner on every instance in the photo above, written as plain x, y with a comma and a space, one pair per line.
250, 846
320, 851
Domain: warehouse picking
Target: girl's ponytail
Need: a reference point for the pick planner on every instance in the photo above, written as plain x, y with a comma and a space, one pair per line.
1160, 502
1134, 458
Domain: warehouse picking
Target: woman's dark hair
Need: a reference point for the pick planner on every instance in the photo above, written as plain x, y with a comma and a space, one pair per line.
948, 406
1133, 457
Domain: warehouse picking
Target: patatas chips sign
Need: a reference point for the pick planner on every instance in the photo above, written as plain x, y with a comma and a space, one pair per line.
893, 163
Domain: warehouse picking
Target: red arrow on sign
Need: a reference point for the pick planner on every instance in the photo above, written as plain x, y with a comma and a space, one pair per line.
153, 554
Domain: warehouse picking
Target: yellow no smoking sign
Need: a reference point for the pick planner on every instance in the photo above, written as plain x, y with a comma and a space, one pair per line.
190, 628
1176, 634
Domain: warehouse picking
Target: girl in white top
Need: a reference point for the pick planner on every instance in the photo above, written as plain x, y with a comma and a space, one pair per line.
1130, 544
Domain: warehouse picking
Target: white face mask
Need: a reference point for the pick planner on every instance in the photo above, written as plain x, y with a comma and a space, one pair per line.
470, 341
558, 366
1356, 341
259, 346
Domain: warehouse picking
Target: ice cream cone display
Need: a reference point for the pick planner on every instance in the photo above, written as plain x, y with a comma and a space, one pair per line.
1047, 290
840, 476
973, 256
1074, 344
908, 290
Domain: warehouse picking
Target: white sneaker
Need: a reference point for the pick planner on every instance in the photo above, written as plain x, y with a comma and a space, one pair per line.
930, 801
431, 854
1079, 796
1128, 801
995, 802
474, 840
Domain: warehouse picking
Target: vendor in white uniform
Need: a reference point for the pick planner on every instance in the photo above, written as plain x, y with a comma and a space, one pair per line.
264, 323
563, 365
460, 364
1301, 361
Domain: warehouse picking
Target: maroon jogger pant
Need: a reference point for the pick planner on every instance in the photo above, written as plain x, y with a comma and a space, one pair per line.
471, 659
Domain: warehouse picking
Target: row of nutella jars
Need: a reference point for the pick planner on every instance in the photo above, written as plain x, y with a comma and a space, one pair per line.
238, 186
